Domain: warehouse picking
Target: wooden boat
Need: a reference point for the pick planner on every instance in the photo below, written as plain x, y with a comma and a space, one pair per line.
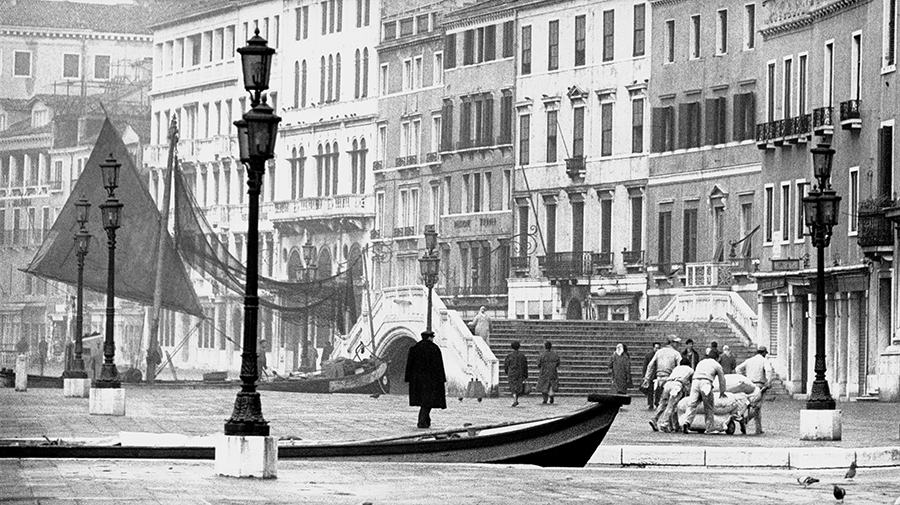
8, 379
568, 440
368, 380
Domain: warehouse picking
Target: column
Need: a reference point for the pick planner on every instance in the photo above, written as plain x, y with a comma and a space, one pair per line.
853, 310
830, 341
783, 346
219, 359
811, 343
762, 326
842, 363
795, 368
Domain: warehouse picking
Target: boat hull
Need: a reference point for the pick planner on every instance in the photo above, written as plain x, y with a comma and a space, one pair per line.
8, 379
565, 441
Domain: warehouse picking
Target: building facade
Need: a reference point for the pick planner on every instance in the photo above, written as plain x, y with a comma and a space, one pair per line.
826, 71
581, 160
703, 201
58, 62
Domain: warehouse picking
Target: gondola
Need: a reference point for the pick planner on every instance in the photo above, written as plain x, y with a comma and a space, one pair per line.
566, 441
368, 379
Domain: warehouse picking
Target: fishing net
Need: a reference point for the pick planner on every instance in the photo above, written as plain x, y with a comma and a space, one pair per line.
328, 300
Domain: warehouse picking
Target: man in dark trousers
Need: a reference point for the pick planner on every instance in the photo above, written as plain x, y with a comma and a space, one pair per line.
516, 367
651, 397
425, 375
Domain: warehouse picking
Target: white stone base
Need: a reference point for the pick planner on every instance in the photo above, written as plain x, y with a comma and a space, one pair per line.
820, 424
77, 388
239, 456
107, 402
21, 373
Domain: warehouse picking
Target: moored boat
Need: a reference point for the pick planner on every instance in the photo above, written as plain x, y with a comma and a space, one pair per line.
568, 440
8, 379
368, 380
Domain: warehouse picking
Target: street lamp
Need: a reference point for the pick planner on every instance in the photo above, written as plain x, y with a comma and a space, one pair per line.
429, 264
256, 141
111, 213
82, 241
820, 207
309, 251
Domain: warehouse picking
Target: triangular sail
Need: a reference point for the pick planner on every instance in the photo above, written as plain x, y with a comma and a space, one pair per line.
136, 255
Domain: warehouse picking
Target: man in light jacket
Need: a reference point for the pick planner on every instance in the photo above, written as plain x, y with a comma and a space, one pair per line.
759, 370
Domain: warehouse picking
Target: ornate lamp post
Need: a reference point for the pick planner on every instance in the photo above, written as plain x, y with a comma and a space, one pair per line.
111, 211
820, 208
256, 140
82, 241
309, 271
429, 265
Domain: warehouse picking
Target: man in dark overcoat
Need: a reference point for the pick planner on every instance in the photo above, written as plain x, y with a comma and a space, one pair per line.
516, 367
425, 375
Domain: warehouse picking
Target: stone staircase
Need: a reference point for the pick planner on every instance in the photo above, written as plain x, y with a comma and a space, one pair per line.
586, 346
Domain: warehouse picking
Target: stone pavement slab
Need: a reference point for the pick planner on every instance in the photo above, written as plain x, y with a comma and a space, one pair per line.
88, 482
322, 417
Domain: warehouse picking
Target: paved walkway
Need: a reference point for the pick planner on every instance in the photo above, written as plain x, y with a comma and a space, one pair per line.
89, 482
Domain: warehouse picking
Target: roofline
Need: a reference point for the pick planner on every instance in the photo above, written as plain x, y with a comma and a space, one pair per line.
230, 5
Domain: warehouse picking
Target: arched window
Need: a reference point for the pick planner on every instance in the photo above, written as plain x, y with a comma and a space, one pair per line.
357, 68
330, 77
362, 165
334, 167
337, 76
296, 84
320, 172
354, 166
327, 169
365, 73
322, 81
303, 84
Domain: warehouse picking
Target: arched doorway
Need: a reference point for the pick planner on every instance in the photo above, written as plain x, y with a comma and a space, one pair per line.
395, 354
573, 309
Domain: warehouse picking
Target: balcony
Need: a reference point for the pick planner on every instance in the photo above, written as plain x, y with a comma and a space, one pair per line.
707, 274
377, 166
566, 265
777, 132
850, 119
400, 161
519, 265
341, 209
875, 229
479, 290
763, 136
432, 158
55, 185
602, 261
800, 129
823, 122
633, 259
405, 232
575, 167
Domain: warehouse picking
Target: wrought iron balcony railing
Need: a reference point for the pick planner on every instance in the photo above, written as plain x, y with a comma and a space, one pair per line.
400, 161
566, 264
763, 135
432, 158
633, 258
377, 165
777, 132
404, 231
800, 128
875, 229
602, 260
850, 119
575, 166
823, 122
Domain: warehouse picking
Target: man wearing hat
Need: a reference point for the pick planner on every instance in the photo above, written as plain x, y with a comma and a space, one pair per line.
660, 367
761, 372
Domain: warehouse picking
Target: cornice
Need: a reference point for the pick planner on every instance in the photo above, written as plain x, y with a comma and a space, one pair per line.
415, 40
72, 34
798, 14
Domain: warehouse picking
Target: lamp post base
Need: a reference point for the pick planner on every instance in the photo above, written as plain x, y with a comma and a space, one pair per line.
820, 424
76, 387
107, 402
246, 456
247, 419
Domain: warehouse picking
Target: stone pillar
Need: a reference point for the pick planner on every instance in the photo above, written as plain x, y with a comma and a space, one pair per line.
783, 340
830, 340
21, 372
795, 368
853, 311
219, 354
762, 326
811, 343
841, 350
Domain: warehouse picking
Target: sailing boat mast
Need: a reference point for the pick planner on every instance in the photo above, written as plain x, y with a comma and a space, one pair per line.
153, 355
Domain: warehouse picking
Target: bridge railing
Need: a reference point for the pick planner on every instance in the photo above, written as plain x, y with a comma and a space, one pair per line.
725, 306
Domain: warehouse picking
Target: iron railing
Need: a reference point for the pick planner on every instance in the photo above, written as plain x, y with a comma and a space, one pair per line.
823, 120
566, 264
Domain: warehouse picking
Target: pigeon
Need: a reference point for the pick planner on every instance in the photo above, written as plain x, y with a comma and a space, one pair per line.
839, 492
851, 472
376, 395
807, 481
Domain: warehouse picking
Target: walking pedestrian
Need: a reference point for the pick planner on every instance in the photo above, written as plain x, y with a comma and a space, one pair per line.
759, 370
706, 371
516, 367
649, 391
548, 372
664, 361
726, 359
481, 325
674, 389
714, 350
425, 375
620, 368
690, 356
42, 354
